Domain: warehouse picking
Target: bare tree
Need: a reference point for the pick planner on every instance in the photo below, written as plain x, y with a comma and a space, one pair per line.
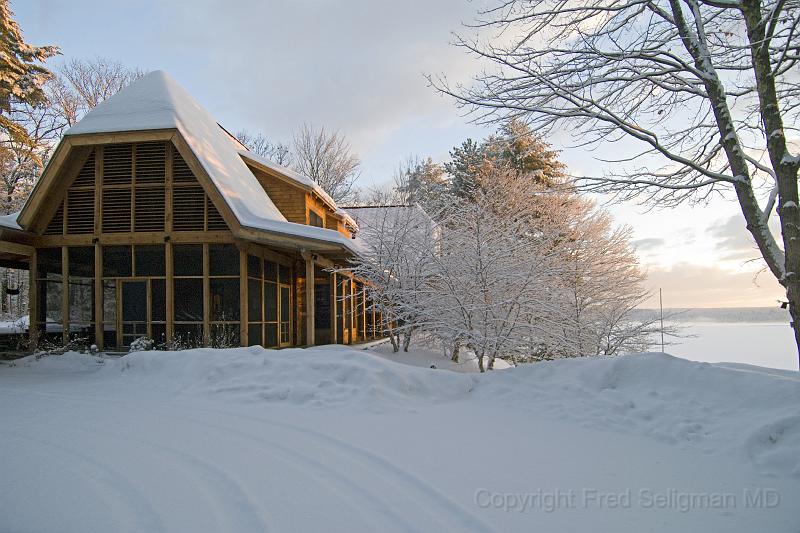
259, 144
81, 84
76, 87
327, 158
706, 88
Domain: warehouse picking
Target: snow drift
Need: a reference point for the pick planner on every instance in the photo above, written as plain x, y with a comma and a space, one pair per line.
323, 376
744, 409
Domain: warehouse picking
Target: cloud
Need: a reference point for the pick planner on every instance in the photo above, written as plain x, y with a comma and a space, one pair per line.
734, 242
651, 243
692, 285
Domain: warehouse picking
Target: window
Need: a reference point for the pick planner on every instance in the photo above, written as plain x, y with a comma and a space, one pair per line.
223, 260
150, 260
48, 263
81, 292
224, 300
188, 259
189, 300
315, 220
117, 262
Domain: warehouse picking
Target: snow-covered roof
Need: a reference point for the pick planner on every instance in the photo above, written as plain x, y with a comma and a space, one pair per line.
301, 179
10, 221
157, 102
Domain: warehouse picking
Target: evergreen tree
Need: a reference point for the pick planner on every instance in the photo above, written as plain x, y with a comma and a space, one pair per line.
21, 73
421, 182
517, 146
464, 167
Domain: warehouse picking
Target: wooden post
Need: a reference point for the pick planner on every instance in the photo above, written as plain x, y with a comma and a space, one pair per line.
65, 293
206, 297
243, 297
98, 295
33, 303
99, 324
168, 250
310, 278
333, 309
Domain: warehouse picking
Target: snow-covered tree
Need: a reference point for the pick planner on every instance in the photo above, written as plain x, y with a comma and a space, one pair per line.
705, 89
463, 167
22, 75
397, 243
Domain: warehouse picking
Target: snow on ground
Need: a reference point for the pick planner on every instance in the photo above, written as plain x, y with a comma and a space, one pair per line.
427, 357
337, 439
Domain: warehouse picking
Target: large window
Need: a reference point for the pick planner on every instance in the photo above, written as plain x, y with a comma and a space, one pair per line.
81, 292
223, 262
50, 306
188, 293
269, 303
134, 294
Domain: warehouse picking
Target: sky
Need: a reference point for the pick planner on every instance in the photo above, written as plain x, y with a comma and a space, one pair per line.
359, 66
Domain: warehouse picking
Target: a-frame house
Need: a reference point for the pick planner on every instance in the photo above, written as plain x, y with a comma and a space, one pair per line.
151, 220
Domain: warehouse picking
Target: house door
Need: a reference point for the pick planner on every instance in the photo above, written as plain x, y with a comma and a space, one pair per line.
133, 308
285, 325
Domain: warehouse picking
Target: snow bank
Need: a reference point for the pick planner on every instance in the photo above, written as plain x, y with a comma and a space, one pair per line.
324, 376
746, 409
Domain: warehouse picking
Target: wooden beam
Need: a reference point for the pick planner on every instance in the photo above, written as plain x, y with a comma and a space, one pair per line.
120, 137
98, 296
243, 299
310, 302
15, 248
33, 304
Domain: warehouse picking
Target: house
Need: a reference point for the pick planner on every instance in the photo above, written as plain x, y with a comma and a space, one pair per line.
152, 220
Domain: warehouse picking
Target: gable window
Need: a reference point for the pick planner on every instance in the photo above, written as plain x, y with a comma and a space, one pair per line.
315, 220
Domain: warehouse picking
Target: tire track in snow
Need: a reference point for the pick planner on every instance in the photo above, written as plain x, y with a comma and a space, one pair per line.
140, 512
423, 494
226, 488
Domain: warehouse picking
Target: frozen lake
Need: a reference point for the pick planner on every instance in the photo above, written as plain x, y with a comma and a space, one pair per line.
756, 343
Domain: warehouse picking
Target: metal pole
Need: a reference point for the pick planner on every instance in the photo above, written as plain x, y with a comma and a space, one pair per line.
661, 307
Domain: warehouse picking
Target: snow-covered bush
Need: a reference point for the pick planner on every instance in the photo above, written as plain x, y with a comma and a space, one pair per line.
142, 344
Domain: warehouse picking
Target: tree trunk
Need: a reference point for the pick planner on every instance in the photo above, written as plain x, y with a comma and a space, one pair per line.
407, 338
479, 354
456, 349
784, 166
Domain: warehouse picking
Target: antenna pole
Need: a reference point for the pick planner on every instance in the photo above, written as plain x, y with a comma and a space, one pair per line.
661, 307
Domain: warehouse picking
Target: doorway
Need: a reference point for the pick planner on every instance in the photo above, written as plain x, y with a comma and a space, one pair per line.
133, 307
